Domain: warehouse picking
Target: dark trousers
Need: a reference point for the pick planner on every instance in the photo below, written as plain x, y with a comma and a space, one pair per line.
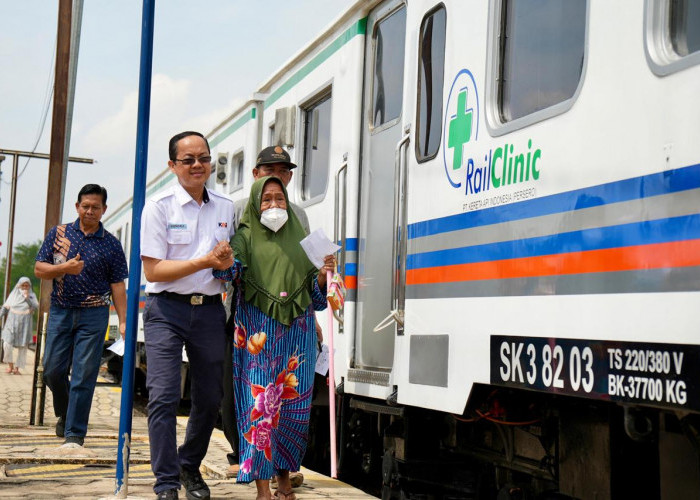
228, 406
168, 325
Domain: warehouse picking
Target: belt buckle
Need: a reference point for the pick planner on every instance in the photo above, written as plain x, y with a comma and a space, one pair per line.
197, 300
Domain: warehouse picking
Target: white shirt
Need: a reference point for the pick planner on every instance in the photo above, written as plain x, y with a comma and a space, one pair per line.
175, 227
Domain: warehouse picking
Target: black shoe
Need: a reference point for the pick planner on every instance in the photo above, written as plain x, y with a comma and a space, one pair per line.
170, 494
61, 427
195, 486
75, 439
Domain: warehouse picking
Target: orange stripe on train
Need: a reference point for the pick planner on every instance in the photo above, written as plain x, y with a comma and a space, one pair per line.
655, 256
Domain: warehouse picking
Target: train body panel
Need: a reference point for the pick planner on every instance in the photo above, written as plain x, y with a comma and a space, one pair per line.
515, 189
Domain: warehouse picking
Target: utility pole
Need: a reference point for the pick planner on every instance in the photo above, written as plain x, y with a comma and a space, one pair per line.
58, 154
13, 197
10, 227
11, 223
54, 198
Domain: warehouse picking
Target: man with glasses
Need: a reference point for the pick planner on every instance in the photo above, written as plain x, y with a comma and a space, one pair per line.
185, 232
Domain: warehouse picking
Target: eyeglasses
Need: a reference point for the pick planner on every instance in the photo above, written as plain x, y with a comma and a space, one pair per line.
188, 162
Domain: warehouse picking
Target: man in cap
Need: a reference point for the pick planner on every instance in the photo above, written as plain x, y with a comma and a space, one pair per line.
275, 161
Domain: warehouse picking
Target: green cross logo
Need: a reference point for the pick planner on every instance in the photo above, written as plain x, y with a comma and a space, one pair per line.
460, 131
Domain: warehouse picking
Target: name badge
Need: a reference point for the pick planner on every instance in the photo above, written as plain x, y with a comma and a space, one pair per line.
176, 227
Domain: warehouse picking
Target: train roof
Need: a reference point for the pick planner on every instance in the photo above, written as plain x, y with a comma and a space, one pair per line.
324, 36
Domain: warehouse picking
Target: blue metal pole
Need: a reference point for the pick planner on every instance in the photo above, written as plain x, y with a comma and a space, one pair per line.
132, 299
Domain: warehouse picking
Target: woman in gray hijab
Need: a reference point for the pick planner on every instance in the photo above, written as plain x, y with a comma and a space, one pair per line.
18, 308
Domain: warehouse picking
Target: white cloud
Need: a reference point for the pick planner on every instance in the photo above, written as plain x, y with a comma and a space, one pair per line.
110, 135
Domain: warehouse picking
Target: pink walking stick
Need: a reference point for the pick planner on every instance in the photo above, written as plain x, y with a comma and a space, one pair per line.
331, 383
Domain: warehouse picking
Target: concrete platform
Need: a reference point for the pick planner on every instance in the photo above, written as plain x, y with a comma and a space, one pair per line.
33, 467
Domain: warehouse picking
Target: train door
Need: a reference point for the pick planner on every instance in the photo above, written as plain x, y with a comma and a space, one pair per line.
381, 131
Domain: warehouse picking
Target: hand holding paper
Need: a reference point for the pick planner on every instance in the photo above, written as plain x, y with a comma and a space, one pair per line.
118, 347
317, 246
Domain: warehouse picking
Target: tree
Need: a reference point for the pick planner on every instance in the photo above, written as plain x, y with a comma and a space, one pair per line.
23, 259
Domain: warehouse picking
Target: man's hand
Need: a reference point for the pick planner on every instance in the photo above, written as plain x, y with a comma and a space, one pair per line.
74, 265
222, 256
122, 330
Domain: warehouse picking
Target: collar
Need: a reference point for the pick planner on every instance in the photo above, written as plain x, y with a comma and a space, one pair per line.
183, 197
100, 233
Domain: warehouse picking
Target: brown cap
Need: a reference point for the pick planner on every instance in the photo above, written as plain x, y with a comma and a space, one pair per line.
274, 154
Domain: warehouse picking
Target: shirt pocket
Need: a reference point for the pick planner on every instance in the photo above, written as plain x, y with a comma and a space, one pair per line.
179, 237
221, 234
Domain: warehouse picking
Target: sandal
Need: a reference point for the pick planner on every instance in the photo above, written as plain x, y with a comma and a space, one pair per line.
285, 496
16, 372
9, 370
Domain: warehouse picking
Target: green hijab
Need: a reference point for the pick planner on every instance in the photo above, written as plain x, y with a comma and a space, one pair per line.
276, 271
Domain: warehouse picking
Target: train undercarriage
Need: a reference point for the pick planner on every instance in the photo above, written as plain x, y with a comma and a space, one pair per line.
513, 444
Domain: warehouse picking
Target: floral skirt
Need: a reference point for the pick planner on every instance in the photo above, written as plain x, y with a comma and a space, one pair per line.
273, 369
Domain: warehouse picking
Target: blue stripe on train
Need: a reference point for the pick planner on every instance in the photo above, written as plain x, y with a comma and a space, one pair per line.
670, 181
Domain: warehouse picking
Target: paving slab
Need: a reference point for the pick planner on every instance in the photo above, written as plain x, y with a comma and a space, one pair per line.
33, 466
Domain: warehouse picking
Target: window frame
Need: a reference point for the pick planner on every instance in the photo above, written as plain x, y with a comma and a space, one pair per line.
658, 47
233, 166
271, 134
495, 125
419, 157
317, 98
370, 115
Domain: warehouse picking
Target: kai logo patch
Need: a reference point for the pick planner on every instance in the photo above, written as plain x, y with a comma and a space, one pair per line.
223, 224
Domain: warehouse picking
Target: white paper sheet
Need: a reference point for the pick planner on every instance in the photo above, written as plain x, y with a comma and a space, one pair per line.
118, 347
317, 246
322, 360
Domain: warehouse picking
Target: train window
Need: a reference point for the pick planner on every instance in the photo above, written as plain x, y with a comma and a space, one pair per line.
685, 26
431, 75
540, 55
237, 166
672, 35
317, 138
387, 88
271, 135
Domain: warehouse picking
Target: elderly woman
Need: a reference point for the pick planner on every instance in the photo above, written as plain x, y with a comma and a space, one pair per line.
18, 308
274, 340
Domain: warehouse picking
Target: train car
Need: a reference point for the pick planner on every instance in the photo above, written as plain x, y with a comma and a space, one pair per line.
514, 185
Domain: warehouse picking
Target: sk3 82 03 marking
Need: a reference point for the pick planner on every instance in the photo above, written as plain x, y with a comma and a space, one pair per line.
659, 374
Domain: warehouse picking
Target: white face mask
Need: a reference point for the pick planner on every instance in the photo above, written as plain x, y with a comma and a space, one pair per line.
274, 218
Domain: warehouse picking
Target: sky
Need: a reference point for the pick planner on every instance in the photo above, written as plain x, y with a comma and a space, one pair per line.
208, 58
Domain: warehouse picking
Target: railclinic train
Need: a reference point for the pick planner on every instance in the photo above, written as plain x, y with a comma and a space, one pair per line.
516, 188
